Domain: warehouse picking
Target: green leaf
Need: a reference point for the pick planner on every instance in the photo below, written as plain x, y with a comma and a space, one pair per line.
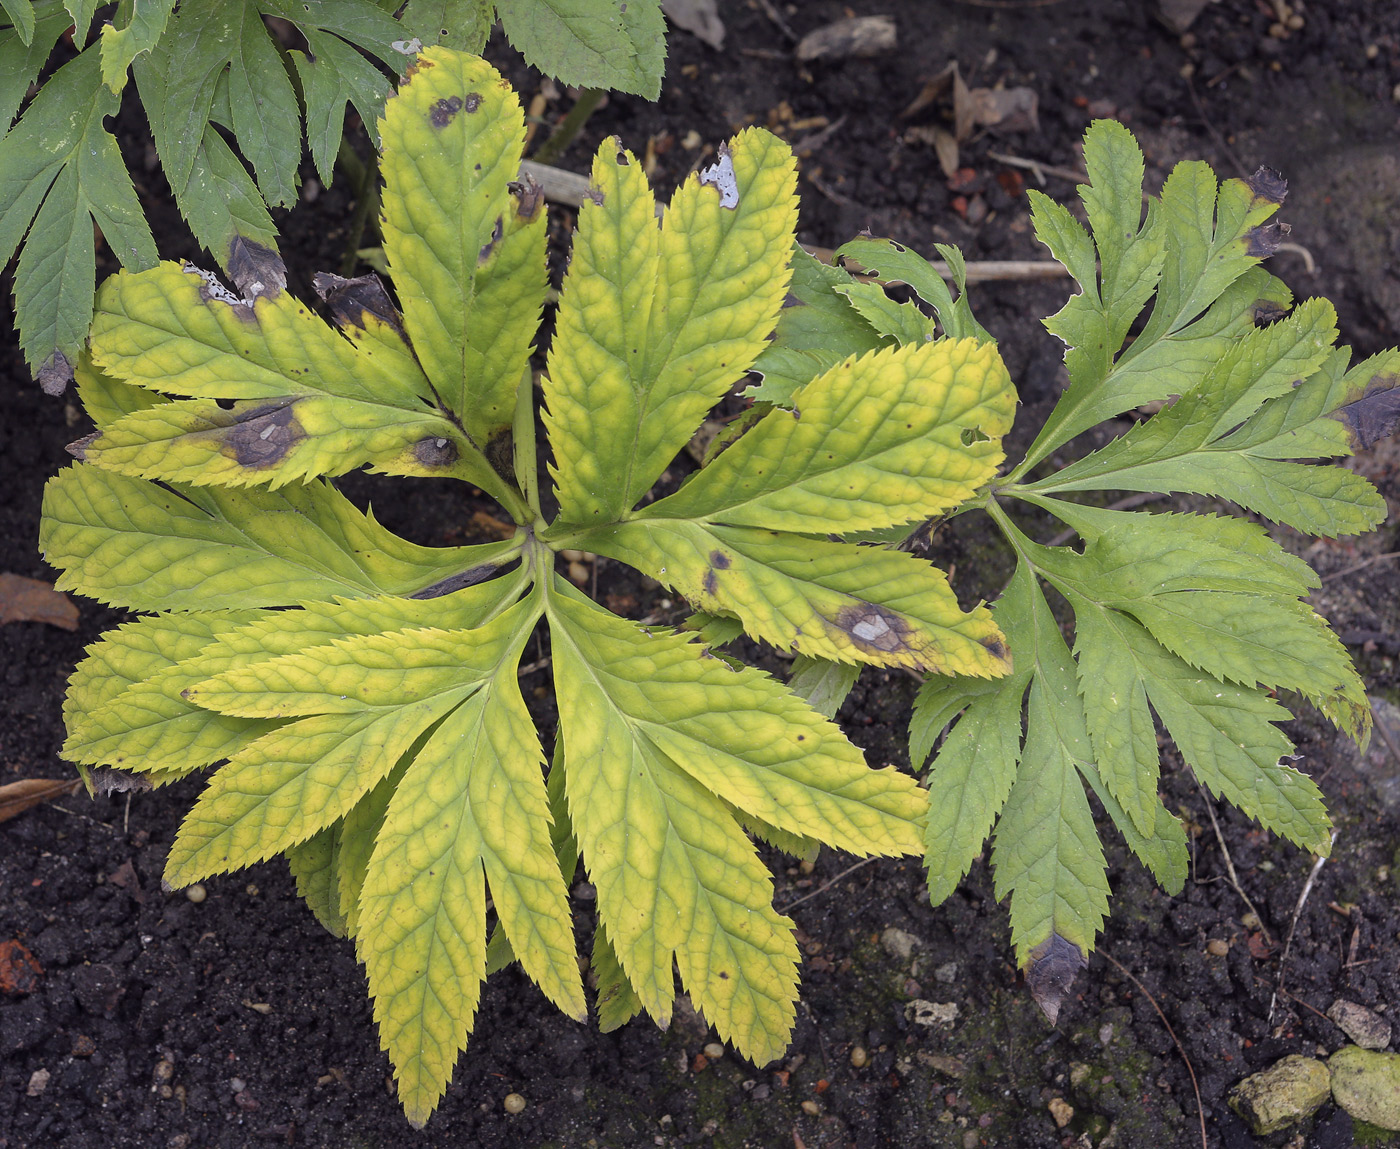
617, 1001
1197, 246
1046, 853
333, 75
656, 324
218, 198
142, 31
817, 329
896, 435
821, 684
650, 764
590, 43
1227, 735
828, 600
266, 116
313, 865
82, 12
897, 264
23, 58
464, 25
21, 14
454, 234
132, 543
64, 166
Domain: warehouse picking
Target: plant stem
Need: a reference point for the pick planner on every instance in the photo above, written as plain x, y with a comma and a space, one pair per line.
365, 176
569, 127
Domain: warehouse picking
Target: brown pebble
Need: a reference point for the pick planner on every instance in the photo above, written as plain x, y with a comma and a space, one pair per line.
84, 1046
514, 1103
1217, 947
714, 1051
859, 1057
196, 893
811, 1108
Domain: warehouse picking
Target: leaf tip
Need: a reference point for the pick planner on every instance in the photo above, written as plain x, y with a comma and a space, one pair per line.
1267, 184
56, 373
1051, 971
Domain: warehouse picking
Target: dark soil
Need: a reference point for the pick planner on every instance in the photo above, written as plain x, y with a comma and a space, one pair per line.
239, 1022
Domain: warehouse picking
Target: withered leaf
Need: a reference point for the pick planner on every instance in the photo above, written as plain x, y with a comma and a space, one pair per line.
858, 36
1051, 972
351, 299
1375, 415
17, 797
30, 600
256, 270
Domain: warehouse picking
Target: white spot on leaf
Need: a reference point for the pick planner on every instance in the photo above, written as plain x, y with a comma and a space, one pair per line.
721, 177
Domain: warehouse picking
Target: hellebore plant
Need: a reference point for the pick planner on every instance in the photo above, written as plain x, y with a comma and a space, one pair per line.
357, 695
362, 692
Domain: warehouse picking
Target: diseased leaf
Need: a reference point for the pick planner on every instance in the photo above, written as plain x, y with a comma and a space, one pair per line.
828, 600
463, 25
466, 254
132, 543
687, 305
884, 439
897, 264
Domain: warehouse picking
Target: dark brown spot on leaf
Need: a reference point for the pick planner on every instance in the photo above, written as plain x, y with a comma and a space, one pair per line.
105, 780
1264, 239
873, 627
1268, 184
435, 451
441, 113
710, 583
530, 196
1053, 966
472, 102
261, 436
459, 581
500, 453
351, 299
996, 647
1375, 415
255, 270
720, 561
55, 374
490, 245
1267, 312
595, 194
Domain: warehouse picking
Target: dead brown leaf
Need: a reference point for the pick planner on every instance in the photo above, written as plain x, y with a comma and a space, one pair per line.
861, 36
17, 797
29, 600
1006, 109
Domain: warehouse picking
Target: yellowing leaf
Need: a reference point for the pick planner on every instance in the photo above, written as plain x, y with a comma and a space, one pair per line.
655, 734
894, 436
827, 600
467, 255
473, 799
656, 324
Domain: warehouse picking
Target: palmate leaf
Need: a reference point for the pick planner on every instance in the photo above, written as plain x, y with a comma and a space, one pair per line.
466, 251
61, 172
656, 323
591, 43
1180, 621
647, 763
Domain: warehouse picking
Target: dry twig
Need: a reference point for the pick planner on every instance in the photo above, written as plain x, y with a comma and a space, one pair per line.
1292, 926
1230, 863
825, 886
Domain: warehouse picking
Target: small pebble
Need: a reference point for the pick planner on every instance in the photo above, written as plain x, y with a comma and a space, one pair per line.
811, 1108
196, 893
859, 1057
514, 1103
714, 1051
1295, 22
251, 890
1277, 30
163, 1071
1372, 51
237, 1084
1061, 1110
1217, 947
38, 1082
